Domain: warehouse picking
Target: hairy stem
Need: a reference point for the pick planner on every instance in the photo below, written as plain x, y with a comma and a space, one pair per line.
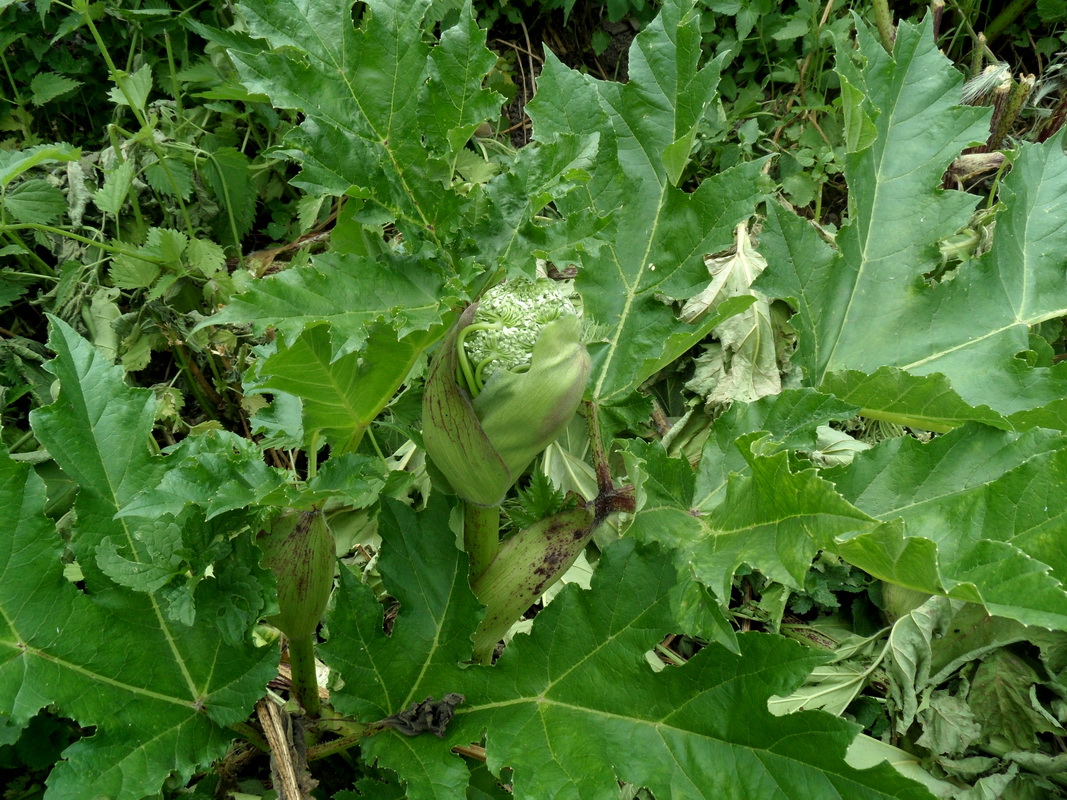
251, 735
883, 19
305, 680
481, 535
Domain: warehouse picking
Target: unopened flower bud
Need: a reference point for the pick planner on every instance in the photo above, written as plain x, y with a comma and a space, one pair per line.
481, 432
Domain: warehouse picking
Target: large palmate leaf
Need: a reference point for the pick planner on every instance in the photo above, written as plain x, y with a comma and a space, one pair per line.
159, 692
745, 504
987, 499
868, 306
347, 291
574, 707
364, 92
342, 398
771, 517
98, 432
427, 574
659, 234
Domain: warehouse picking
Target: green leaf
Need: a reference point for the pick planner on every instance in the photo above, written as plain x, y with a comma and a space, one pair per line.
12, 287
132, 89
131, 272
47, 86
659, 234
867, 305
14, 162
227, 173
363, 93
98, 432
926, 403
205, 256
160, 702
350, 292
112, 195
541, 173
454, 101
218, 471
35, 200
359, 480
791, 418
1000, 701
161, 251
949, 727
973, 511
170, 177
775, 520
427, 574
159, 694
574, 707
342, 398
163, 540
860, 132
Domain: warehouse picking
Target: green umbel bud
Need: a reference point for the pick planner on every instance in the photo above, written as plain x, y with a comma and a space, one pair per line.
482, 444
299, 550
506, 327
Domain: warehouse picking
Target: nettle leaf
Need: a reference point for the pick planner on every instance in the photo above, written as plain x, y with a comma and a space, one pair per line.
15, 162
574, 707
35, 200
973, 513
227, 172
867, 305
112, 195
47, 86
659, 233
159, 693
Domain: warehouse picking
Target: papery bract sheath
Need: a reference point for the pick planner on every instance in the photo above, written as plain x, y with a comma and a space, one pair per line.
299, 549
483, 445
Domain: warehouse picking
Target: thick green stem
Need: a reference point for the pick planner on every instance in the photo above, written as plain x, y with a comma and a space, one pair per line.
883, 19
305, 680
481, 535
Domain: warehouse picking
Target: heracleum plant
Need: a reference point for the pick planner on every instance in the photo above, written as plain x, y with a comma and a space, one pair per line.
132, 610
